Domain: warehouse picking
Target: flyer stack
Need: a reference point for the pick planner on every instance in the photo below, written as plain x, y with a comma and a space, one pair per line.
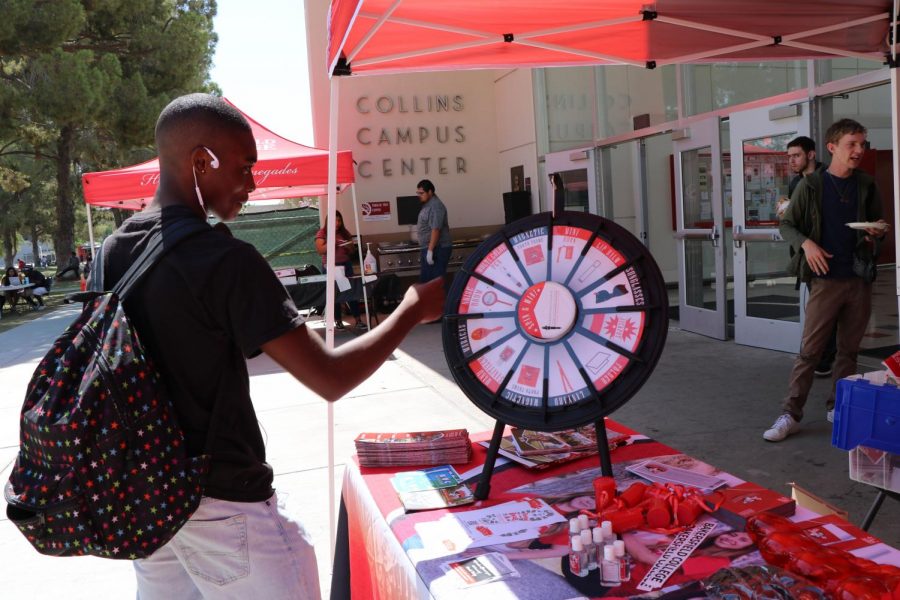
413, 448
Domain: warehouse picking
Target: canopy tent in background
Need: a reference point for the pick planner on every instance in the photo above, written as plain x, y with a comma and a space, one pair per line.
395, 36
284, 169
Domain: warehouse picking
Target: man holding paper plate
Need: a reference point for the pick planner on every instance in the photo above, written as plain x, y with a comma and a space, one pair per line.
834, 224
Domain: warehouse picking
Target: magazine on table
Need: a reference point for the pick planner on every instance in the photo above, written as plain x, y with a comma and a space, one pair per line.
444, 476
658, 471
447, 497
529, 443
544, 461
413, 448
412, 439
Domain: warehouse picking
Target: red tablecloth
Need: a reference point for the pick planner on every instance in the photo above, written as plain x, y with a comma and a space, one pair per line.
386, 558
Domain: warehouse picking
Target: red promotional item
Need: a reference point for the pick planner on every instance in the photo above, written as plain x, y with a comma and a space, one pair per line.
604, 491
626, 519
762, 524
861, 588
688, 511
747, 499
634, 495
659, 515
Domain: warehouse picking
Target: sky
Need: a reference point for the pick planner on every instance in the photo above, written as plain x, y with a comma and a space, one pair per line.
260, 64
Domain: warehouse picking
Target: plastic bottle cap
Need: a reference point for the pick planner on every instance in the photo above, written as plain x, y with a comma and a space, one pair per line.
607, 528
586, 537
577, 544
583, 521
574, 525
598, 535
619, 547
609, 553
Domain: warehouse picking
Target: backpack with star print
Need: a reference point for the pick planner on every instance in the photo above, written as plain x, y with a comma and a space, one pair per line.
102, 468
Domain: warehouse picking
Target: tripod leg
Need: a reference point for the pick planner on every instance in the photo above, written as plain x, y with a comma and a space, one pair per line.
484, 486
603, 448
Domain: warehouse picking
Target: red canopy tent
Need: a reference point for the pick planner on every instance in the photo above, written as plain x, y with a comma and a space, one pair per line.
392, 36
285, 169
386, 36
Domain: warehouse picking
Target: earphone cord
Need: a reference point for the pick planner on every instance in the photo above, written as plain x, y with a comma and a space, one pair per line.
197, 189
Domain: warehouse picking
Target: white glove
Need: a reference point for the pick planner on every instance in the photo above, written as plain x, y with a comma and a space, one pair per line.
429, 257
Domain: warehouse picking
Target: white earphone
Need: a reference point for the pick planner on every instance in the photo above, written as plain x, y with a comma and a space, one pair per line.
214, 163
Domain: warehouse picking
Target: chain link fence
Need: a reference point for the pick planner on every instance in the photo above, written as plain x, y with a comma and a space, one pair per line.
286, 238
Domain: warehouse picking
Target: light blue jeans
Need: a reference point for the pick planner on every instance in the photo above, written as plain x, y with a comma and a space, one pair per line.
233, 550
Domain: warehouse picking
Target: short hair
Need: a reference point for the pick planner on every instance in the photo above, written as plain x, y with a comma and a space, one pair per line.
195, 115
806, 144
426, 185
841, 128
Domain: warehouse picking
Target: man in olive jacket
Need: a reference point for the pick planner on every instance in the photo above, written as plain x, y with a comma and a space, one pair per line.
815, 225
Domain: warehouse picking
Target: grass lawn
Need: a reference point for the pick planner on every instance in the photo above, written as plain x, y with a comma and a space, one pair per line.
52, 301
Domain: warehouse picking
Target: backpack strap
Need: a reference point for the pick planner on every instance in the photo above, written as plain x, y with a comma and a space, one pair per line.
160, 243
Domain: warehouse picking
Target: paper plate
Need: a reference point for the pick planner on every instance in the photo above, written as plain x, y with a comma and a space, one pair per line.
868, 225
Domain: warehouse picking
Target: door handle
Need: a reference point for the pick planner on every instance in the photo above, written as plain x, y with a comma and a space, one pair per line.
758, 237
714, 236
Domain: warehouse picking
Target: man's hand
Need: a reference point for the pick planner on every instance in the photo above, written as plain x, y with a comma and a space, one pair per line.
816, 257
878, 232
427, 299
429, 257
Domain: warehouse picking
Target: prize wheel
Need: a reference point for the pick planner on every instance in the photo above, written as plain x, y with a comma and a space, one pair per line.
555, 322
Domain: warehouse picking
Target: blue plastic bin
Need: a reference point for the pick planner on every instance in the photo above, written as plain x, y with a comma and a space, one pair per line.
866, 414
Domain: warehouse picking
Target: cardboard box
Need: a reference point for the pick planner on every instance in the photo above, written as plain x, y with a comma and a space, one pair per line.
812, 502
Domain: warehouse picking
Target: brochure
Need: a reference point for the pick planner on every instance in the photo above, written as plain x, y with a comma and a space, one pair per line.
444, 476
440, 498
529, 443
658, 472
485, 568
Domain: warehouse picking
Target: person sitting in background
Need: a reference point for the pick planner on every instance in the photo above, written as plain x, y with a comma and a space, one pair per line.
74, 265
12, 296
41, 285
343, 251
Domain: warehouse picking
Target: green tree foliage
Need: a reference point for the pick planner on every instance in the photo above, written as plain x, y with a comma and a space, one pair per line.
81, 84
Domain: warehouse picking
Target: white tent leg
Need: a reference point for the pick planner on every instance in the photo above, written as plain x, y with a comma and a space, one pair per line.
362, 267
329, 291
90, 230
895, 138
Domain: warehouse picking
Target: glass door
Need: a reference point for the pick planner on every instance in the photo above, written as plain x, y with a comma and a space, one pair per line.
768, 304
576, 167
699, 230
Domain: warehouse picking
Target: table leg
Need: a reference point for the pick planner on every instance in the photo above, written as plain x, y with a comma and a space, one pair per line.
340, 578
876, 506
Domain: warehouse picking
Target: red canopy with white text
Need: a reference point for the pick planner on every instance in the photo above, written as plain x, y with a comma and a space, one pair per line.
284, 169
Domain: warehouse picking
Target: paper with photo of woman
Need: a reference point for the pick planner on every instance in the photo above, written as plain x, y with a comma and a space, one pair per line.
659, 472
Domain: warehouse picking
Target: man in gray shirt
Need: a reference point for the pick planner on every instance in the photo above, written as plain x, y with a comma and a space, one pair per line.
434, 233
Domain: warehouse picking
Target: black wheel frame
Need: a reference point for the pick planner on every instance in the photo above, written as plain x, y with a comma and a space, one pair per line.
600, 403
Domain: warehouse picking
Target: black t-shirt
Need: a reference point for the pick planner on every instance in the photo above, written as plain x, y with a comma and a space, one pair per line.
839, 206
209, 303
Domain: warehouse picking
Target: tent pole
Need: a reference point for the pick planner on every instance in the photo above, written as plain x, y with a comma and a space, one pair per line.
362, 266
90, 229
329, 290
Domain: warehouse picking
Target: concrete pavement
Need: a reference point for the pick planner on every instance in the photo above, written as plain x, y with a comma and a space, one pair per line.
707, 398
